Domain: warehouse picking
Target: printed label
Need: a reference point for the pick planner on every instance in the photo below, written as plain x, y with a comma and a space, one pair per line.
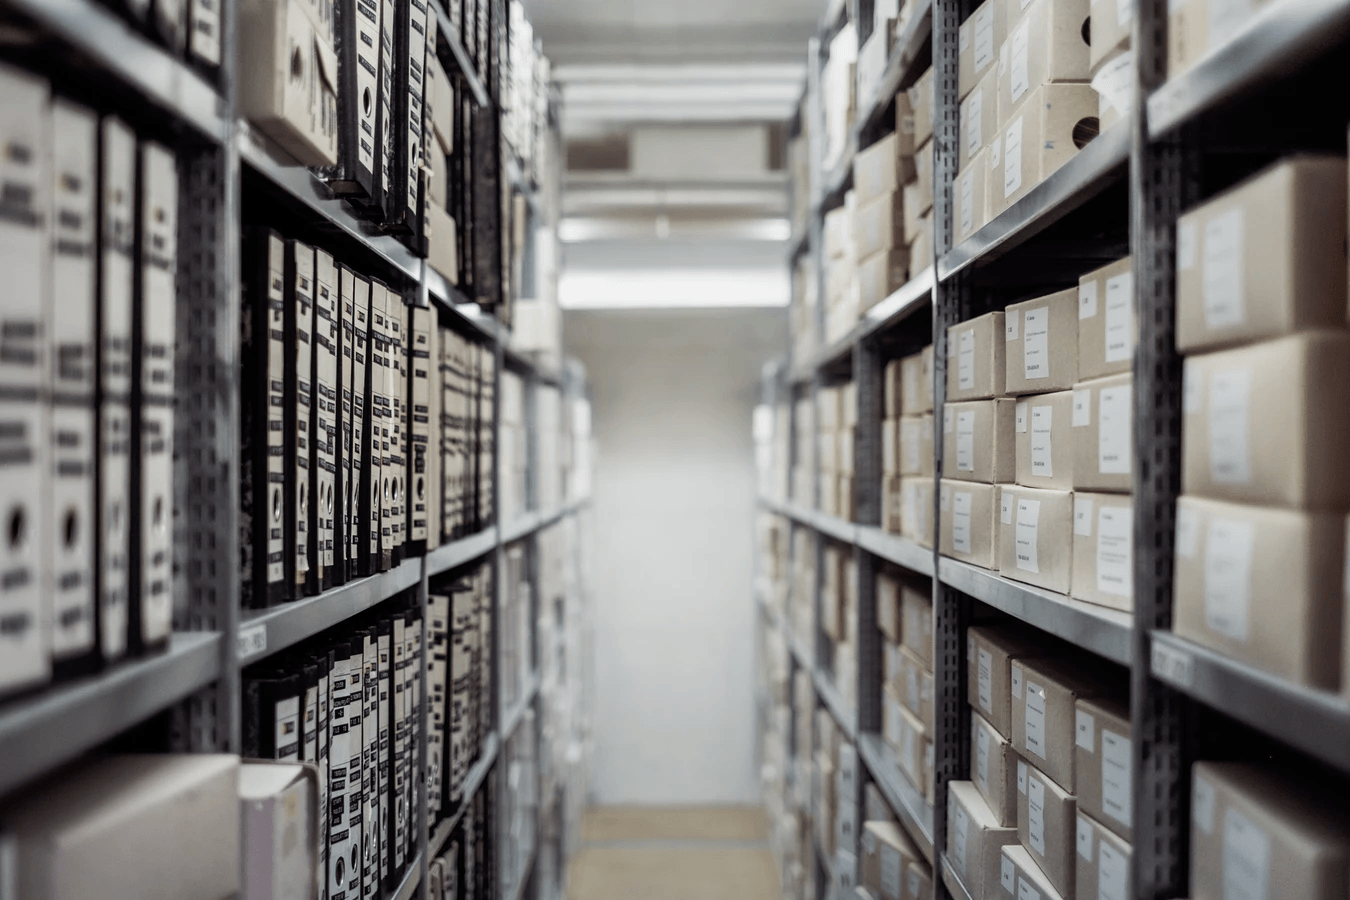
1087, 300
1035, 715
959, 820
1246, 858
1036, 814
1172, 665
1028, 522
1012, 158
1082, 407
1042, 464
1021, 777
1117, 785
968, 202
1115, 551
965, 361
252, 640
1119, 321
1228, 576
982, 758
1011, 319
1082, 515
1229, 401
1020, 413
965, 441
1005, 507
963, 36
1112, 871
1016, 680
1114, 82
1007, 875
1084, 839
1186, 241
1202, 804
961, 503
1036, 344
1085, 730
986, 680
1188, 532
984, 37
1222, 276
1115, 432
1025, 891
1018, 81
974, 123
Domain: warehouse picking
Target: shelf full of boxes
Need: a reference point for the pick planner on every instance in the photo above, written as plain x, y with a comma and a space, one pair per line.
1065, 507
201, 185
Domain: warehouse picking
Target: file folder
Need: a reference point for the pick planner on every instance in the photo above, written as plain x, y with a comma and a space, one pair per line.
418, 426
340, 746
359, 35
396, 388
342, 531
354, 709
271, 716
361, 488
299, 408
397, 813
204, 32
380, 406
384, 631
323, 433
370, 776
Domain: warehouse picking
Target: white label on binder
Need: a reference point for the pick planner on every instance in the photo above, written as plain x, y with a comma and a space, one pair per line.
1005, 507
1007, 874
984, 37
1036, 344
252, 640
1119, 330
961, 502
1202, 805
982, 758
1082, 407
967, 202
1082, 515
960, 821
1186, 241
965, 441
1016, 680
1084, 839
1117, 784
1228, 576
1018, 81
1028, 523
1246, 858
1021, 777
965, 364
1087, 300
1012, 158
1035, 714
986, 679
1115, 551
1042, 463
1114, 430
1229, 402
1188, 532
1112, 870
974, 116
1225, 306
1084, 730
1010, 322
1036, 814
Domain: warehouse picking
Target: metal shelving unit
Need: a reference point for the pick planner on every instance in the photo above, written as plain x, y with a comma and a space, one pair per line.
476, 778
911, 297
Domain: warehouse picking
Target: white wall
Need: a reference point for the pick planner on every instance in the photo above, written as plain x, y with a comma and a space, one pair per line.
674, 504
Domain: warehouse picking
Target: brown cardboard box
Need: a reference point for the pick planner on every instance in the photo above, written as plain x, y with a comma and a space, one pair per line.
893, 668
979, 38
886, 851
1265, 258
974, 837
839, 232
1266, 423
1103, 863
1047, 820
890, 446
990, 650
1045, 441
916, 205
888, 606
1049, 43
1103, 549
883, 168
1106, 320
993, 769
916, 509
844, 454
892, 504
830, 408
923, 177
969, 522
979, 117
848, 501
971, 203
916, 612
878, 224
1262, 586
920, 108
1052, 125
1102, 763
827, 452
921, 248
917, 380
1103, 434
288, 88
916, 688
1278, 837
910, 753
442, 242
979, 440
875, 808
829, 493
918, 880
975, 363
916, 445
1112, 22
1044, 356
891, 724
880, 275
1044, 715
1187, 34
892, 390
1022, 878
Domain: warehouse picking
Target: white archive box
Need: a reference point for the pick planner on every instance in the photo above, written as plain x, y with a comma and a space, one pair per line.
278, 818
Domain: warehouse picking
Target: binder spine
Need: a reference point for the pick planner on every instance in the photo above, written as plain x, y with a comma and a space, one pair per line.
324, 428
325, 665
431, 495
264, 410
384, 748
363, 480
339, 826
299, 408
342, 532
411, 41
398, 814
370, 775
358, 48
396, 388
384, 191
204, 32
418, 425
438, 626
354, 708
379, 430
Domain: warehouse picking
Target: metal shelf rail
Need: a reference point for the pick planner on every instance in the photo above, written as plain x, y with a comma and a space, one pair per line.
903, 796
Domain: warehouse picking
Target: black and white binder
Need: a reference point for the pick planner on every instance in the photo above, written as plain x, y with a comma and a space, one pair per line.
396, 389
324, 423
410, 42
70, 522
309, 722
385, 129
169, 21
356, 800
419, 427
340, 746
324, 663
299, 408
272, 716
116, 284
343, 519
416, 724
370, 775
384, 631
358, 44
262, 407
154, 339
432, 494
360, 489
204, 32
438, 633
398, 814
379, 424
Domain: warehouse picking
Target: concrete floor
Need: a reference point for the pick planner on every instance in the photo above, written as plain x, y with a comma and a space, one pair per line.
673, 854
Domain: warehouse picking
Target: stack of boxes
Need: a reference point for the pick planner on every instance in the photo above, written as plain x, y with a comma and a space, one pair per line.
842, 298
837, 418
1261, 524
836, 805
838, 80
880, 175
907, 447
1048, 810
839, 618
802, 615
905, 618
1026, 106
1110, 60
892, 868
803, 469
914, 116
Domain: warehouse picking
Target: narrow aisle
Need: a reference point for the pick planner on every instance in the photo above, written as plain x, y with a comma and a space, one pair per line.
680, 853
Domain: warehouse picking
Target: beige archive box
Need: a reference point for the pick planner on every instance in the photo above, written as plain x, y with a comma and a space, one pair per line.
1112, 22
1051, 126
919, 192
1113, 80
893, 390
1047, 820
886, 851
990, 651
1103, 549
288, 86
1277, 837
890, 446
1047, 44
892, 504
979, 118
916, 377
916, 445
972, 205
993, 768
916, 614
916, 509
1103, 864
1106, 320
1262, 586
918, 878
913, 750
1022, 878
920, 108
1266, 257
1044, 715
979, 38
1102, 763
974, 838
1187, 34
279, 823
921, 248
883, 168
969, 522
442, 242
879, 275
975, 361
1042, 344
1044, 439
1103, 434
979, 440
879, 224
916, 688
1267, 423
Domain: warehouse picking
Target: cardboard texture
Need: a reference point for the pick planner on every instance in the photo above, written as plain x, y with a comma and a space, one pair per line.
1047, 820
1044, 715
279, 818
979, 38
1103, 767
890, 446
916, 688
920, 108
880, 275
1022, 878
1035, 537
916, 445
288, 85
976, 369
886, 851
1107, 327
917, 380
1103, 549
1103, 434
1041, 338
1266, 423
1265, 258
1048, 42
993, 770
883, 168
972, 203
1262, 586
1045, 441
893, 389
1103, 862
1112, 22
1051, 126
888, 606
979, 118
974, 839
990, 650
969, 522
916, 611
978, 442
879, 223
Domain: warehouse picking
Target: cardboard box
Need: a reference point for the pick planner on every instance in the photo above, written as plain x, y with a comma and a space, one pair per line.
879, 224
848, 501
875, 809
919, 192
1112, 22
916, 509
921, 248
1041, 351
888, 606
1035, 537
844, 453
993, 770
917, 380
1047, 821
905, 128
1262, 586
288, 83
891, 726
1106, 321
1113, 81
279, 816
827, 452
975, 365
916, 688
969, 522
1103, 549
979, 38
971, 201
974, 837
892, 393
916, 445
1266, 423
979, 118
1103, 766
1022, 878
1103, 434
887, 850
893, 668
1265, 258
1103, 864
916, 612
990, 650
890, 446
914, 741
920, 108
1047, 44
1044, 437
918, 880
442, 242
440, 105
1049, 128
1187, 34
1280, 837
1044, 713
892, 504
838, 230
880, 275
883, 168
104, 828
